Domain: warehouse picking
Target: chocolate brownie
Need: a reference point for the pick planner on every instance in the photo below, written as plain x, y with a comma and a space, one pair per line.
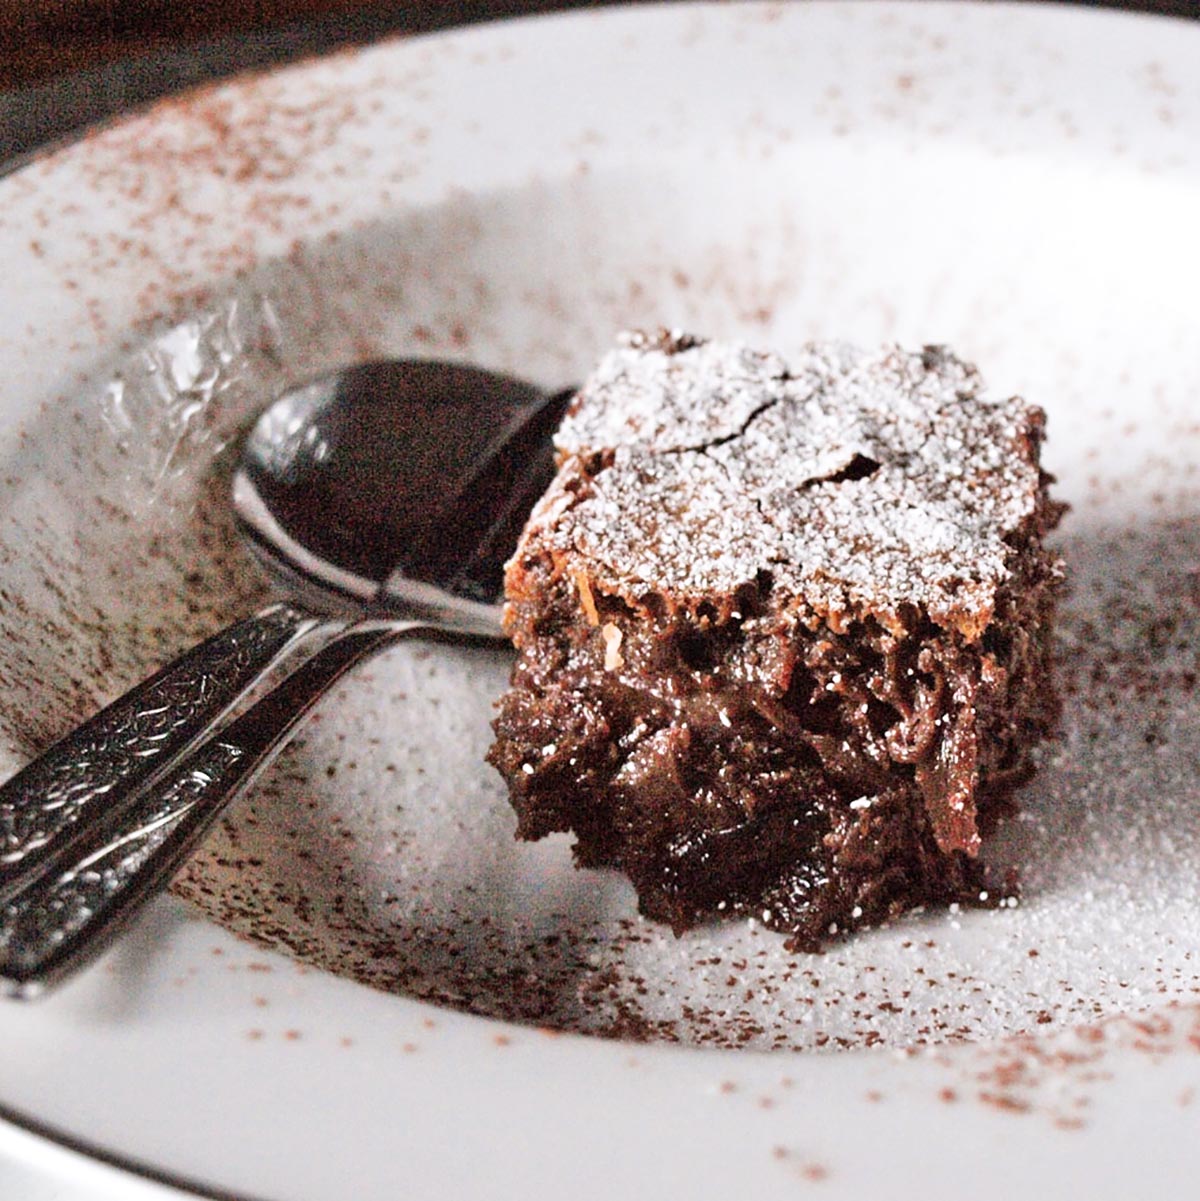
783, 630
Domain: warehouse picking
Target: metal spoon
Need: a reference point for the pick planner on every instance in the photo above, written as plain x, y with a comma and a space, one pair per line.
386, 498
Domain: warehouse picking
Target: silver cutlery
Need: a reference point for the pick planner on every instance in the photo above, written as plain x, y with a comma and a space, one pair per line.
385, 499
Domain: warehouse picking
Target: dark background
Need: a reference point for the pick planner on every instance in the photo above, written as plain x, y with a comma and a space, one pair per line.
66, 63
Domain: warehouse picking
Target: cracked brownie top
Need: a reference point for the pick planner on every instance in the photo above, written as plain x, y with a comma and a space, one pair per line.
885, 484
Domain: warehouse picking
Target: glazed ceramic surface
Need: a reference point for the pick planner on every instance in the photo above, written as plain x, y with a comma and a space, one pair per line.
364, 984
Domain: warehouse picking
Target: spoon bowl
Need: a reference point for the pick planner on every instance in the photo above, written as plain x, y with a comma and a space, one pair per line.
397, 485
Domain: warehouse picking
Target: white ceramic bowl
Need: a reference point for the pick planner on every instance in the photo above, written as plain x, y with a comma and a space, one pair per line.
308, 1021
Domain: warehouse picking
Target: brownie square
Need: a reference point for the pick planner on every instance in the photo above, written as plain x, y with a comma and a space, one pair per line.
783, 630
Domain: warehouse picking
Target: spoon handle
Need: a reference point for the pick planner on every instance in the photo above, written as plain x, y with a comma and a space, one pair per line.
122, 748
64, 919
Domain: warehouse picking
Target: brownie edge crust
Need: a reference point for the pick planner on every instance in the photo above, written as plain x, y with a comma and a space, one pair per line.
783, 630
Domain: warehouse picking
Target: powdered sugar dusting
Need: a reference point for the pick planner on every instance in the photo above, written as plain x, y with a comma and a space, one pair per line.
858, 480
710, 532
670, 392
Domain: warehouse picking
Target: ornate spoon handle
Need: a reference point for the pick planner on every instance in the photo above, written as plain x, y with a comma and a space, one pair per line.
95, 769
61, 921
